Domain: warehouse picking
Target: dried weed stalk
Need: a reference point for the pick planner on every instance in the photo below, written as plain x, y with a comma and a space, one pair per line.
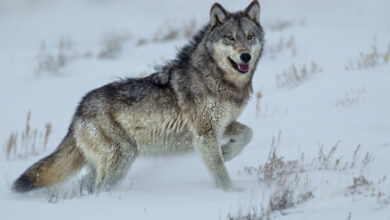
112, 45
282, 45
362, 186
259, 95
50, 61
289, 186
24, 144
350, 98
170, 31
279, 24
369, 59
294, 76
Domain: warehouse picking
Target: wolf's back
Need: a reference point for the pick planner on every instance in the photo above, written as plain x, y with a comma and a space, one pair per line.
63, 162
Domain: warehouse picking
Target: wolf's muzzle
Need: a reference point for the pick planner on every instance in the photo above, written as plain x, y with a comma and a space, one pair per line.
245, 57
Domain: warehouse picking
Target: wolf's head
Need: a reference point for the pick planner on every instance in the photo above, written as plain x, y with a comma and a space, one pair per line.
236, 41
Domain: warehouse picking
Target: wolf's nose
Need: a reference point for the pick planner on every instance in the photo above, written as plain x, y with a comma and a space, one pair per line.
245, 57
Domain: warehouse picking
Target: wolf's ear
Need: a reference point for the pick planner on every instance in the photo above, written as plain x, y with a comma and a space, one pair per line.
253, 11
218, 15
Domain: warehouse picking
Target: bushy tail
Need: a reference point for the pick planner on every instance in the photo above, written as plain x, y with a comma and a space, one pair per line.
55, 168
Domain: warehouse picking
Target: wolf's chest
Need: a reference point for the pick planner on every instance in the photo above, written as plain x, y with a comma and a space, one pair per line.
224, 113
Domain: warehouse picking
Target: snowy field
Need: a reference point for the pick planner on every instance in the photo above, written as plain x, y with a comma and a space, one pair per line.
320, 108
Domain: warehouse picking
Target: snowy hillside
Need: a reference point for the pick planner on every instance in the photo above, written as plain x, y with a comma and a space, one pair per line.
319, 112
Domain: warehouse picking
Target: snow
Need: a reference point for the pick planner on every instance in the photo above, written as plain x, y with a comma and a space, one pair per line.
330, 106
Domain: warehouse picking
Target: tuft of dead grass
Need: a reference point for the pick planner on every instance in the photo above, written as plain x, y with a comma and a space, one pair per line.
259, 95
360, 181
276, 167
295, 75
349, 216
78, 189
282, 24
282, 45
253, 214
112, 44
369, 59
352, 97
24, 144
52, 61
170, 31
363, 186
289, 186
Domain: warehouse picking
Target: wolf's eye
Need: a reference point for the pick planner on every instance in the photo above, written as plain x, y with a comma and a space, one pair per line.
230, 37
249, 37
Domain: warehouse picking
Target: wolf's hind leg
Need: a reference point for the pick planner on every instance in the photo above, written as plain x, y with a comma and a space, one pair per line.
87, 182
112, 169
238, 136
109, 151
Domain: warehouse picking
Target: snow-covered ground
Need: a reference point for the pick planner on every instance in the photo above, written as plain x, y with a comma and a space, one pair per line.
340, 102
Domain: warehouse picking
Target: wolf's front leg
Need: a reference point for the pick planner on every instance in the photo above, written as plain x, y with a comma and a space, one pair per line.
212, 156
238, 136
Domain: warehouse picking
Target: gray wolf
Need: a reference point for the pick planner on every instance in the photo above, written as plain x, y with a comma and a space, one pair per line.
191, 103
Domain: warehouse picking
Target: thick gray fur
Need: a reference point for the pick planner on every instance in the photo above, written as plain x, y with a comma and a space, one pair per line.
193, 102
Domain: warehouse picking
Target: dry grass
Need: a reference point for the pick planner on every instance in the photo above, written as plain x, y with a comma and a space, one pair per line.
253, 214
327, 161
259, 95
289, 185
362, 186
383, 199
350, 98
276, 167
279, 24
295, 75
358, 182
155, 66
286, 179
170, 31
282, 45
369, 59
50, 61
349, 216
26, 143
112, 45
77, 189
266, 110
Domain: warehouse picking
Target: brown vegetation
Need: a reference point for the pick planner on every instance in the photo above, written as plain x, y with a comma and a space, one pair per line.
24, 144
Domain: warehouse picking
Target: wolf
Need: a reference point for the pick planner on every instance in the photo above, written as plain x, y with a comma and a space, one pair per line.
191, 104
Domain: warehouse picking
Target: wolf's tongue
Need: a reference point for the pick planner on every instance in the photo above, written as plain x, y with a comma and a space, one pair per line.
243, 67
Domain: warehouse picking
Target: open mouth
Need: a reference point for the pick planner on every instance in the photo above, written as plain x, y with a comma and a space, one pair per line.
241, 68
